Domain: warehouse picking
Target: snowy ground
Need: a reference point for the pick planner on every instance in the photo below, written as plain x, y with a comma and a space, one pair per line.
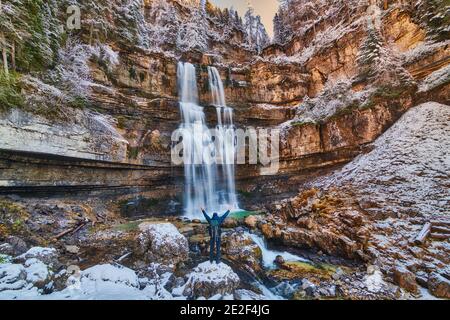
409, 166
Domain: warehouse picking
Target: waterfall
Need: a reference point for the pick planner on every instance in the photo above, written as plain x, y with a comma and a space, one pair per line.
225, 135
205, 185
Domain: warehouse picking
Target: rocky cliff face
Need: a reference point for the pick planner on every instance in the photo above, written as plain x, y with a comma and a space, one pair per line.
296, 87
374, 207
95, 122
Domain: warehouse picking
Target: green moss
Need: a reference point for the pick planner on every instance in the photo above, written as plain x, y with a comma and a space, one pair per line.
387, 92
133, 152
12, 218
132, 73
38, 50
301, 123
299, 269
79, 103
10, 95
242, 214
126, 227
4, 258
121, 122
245, 194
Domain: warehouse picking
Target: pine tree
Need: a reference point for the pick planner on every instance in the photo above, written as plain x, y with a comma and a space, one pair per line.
131, 23
249, 26
256, 34
370, 53
193, 33
436, 15
163, 24
30, 33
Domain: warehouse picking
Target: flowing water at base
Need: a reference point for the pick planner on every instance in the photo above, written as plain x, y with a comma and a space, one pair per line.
269, 255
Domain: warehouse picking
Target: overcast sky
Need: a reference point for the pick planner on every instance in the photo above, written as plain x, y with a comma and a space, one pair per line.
265, 8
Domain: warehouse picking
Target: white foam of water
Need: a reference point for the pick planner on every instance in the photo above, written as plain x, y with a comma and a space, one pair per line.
269, 255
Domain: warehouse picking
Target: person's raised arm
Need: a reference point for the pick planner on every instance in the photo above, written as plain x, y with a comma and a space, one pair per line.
225, 215
206, 216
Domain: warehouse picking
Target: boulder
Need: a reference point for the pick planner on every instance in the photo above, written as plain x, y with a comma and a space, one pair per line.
230, 223
308, 287
439, 286
251, 221
6, 249
405, 279
106, 282
240, 248
49, 256
12, 277
72, 249
209, 279
18, 245
338, 274
162, 243
110, 273
37, 272
279, 260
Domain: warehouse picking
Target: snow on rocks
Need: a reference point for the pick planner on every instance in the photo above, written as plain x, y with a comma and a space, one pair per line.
12, 277
374, 280
439, 285
110, 273
209, 279
37, 272
46, 255
162, 243
243, 294
101, 282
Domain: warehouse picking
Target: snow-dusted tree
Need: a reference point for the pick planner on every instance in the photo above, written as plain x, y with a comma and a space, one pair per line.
379, 63
131, 23
163, 24
370, 52
261, 37
94, 16
436, 15
29, 32
249, 25
192, 34
72, 73
281, 31
256, 35
203, 5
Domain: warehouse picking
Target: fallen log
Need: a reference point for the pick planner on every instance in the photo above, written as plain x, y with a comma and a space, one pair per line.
423, 233
439, 229
439, 236
71, 230
441, 223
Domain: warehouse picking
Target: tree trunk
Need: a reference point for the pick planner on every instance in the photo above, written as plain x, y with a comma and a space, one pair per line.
4, 54
91, 33
13, 56
385, 5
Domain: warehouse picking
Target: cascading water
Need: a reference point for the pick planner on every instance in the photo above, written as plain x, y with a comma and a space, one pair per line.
268, 255
225, 136
205, 185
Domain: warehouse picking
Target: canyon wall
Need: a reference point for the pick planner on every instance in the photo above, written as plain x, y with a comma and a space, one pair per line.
133, 103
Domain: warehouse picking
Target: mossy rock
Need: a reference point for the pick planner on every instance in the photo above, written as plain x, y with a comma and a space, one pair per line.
129, 226
298, 269
13, 218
